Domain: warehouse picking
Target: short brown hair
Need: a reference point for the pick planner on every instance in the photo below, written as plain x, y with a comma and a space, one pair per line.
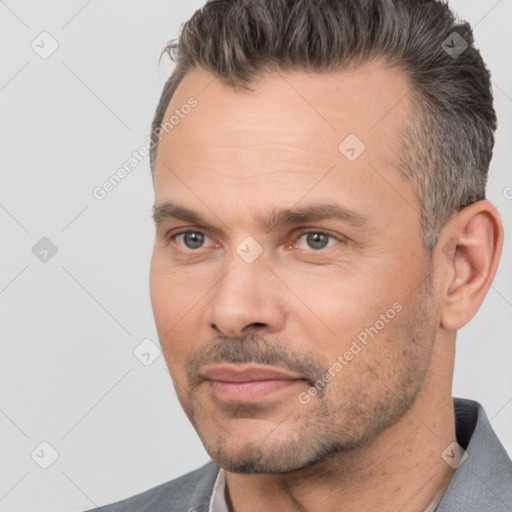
449, 137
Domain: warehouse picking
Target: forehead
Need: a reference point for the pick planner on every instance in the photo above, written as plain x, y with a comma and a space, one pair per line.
273, 143
306, 112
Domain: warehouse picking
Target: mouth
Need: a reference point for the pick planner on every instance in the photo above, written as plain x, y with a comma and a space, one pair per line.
248, 382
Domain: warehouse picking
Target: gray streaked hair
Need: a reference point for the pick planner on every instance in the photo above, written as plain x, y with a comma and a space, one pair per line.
447, 140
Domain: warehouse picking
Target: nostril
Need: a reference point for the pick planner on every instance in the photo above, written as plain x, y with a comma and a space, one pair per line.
256, 324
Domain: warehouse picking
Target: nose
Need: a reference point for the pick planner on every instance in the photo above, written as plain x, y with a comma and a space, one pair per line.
246, 299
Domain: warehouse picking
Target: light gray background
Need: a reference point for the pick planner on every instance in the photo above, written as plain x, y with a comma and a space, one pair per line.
70, 325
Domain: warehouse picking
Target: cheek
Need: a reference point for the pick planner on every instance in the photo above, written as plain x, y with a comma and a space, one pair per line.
179, 338
173, 292
176, 351
180, 301
171, 301
352, 317
339, 303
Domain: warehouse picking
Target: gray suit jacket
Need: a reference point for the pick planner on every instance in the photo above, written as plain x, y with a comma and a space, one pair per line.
482, 483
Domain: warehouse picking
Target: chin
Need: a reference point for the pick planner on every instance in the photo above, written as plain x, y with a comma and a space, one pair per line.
263, 458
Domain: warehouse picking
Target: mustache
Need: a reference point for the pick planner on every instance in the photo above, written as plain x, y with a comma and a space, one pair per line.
253, 348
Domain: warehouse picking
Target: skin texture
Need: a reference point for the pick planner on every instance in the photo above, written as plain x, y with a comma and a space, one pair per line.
372, 437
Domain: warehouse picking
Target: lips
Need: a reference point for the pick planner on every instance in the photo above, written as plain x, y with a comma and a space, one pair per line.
246, 373
248, 383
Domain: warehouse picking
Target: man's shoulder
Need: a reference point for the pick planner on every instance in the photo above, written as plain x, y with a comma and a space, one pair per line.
483, 477
191, 491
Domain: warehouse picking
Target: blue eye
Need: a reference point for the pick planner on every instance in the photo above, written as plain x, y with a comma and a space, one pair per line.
192, 239
316, 240
311, 240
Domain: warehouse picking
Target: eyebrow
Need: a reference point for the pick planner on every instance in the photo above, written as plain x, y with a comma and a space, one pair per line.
289, 216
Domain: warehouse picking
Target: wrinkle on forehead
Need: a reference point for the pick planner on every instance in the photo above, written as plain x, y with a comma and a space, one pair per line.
298, 116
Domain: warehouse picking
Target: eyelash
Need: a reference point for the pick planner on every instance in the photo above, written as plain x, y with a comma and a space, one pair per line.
174, 236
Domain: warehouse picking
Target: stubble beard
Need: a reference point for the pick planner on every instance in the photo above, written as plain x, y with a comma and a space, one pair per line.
343, 418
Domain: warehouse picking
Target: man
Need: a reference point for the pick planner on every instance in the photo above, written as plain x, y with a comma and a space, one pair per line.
322, 234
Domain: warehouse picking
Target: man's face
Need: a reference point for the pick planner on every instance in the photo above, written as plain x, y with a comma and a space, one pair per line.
282, 257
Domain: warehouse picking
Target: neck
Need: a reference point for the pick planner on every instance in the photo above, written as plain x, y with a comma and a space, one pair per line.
401, 469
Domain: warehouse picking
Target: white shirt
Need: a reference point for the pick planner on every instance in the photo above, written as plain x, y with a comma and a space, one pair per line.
217, 501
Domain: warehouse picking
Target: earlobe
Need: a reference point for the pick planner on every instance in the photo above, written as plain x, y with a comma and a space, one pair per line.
469, 252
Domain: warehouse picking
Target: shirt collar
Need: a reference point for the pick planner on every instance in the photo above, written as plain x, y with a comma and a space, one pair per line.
218, 500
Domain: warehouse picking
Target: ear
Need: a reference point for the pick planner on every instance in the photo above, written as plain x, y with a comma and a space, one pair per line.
469, 252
